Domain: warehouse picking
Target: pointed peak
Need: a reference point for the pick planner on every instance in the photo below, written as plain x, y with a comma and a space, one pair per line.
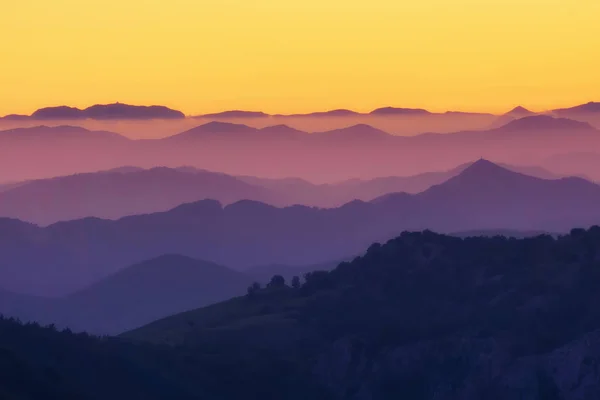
357, 130
519, 111
219, 127
281, 128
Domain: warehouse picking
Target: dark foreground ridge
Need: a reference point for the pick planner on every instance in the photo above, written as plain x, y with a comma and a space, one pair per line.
424, 316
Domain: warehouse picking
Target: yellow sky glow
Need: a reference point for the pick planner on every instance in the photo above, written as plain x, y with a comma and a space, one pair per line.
287, 56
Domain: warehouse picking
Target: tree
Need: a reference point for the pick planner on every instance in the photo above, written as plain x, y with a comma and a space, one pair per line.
253, 289
277, 281
296, 282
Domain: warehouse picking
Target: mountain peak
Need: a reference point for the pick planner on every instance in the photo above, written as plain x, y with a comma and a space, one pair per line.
280, 129
359, 131
215, 127
519, 111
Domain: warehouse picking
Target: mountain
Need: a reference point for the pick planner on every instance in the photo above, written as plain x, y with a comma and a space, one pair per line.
235, 114
544, 123
519, 112
150, 290
114, 194
359, 132
484, 196
126, 191
133, 296
213, 129
425, 316
399, 111
422, 316
107, 111
330, 113
360, 151
588, 108
15, 117
41, 133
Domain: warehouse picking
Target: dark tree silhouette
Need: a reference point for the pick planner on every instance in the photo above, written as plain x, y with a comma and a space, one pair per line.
296, 282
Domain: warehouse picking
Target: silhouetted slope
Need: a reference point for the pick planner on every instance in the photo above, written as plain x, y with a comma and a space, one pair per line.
42, 364
107, 111
427, 316
544, 123
588, 108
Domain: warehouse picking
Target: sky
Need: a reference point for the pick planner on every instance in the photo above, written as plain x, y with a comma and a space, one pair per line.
289, 56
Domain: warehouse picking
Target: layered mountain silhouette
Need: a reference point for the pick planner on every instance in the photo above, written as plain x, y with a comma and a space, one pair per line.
358, 151
106, 111
68, 255
132, 190
117, 193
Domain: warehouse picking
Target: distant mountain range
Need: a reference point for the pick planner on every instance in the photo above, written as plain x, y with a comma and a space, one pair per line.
101, 112
68, 255
125, 111
129, 190
357, 151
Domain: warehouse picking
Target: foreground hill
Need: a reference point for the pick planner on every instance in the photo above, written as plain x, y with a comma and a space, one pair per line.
428, 316
69, 255
423, 316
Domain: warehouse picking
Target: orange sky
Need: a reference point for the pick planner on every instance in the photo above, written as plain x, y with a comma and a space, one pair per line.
285, 56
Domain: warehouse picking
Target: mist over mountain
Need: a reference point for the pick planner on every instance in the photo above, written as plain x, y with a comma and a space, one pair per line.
247, 233
357, 151
117, 193
131, 190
